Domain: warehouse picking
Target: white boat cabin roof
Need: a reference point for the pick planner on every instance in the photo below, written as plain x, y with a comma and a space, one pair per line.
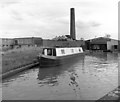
62, 51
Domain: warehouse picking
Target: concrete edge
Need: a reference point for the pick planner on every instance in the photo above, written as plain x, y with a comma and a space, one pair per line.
13, 72
113, 96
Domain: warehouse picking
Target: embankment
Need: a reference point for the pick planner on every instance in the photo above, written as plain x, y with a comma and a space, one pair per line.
113, 96
14, 60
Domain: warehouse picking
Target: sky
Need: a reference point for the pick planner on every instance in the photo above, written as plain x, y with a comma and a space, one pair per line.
50, 18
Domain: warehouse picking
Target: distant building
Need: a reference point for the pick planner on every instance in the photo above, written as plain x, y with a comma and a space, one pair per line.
28, 41
102, 43
7, 43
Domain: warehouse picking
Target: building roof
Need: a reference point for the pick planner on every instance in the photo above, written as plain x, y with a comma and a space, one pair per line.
29, 38
100, 40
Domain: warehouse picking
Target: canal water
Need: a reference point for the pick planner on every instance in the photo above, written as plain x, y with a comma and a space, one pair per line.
89, 77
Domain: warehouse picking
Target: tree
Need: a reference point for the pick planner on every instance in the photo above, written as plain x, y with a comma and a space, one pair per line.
81, 38
107, 35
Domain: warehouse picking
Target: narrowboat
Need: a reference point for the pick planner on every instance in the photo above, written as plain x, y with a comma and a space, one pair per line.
58, 56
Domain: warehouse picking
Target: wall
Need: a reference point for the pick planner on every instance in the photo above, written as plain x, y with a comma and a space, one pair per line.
24, 41
119, 46
52, 43
29, 41
111, 43
38, 41
7, 43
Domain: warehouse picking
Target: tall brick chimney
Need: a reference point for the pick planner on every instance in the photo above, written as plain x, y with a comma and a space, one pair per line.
72, 23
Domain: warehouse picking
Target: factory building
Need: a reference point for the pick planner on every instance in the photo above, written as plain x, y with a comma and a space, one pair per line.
28, 41
102, 44
7, 43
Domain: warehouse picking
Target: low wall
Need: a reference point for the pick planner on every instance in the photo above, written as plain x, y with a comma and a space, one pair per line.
51, 43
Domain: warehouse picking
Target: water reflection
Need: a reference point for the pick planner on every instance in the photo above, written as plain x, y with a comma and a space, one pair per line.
106, 56
50, 75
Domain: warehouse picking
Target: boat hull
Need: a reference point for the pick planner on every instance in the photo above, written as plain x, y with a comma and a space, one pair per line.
56, 61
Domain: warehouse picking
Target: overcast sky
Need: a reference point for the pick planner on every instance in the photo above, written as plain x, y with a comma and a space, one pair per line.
50, 18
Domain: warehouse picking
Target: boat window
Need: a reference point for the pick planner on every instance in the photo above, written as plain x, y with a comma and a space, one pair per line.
72, 50
49, 52
63, 51
45, 51
54, 52
79, 50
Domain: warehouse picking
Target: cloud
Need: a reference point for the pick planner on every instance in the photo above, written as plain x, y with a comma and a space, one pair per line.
94, 24
87, 25
6, 3
48, 18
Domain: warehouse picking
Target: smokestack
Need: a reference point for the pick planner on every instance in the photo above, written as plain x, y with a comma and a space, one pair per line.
72, 23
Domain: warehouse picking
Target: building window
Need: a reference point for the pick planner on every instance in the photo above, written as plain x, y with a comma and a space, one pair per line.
115, 46
96, 47
63, 51
16, 42
19, 46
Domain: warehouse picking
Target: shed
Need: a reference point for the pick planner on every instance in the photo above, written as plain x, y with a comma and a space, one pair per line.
102, 44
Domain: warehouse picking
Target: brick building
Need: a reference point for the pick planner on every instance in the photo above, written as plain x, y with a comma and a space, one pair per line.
28, 41
7, 43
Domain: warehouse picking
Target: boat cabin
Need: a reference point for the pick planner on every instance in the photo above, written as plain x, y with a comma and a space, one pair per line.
62, 51
49, 51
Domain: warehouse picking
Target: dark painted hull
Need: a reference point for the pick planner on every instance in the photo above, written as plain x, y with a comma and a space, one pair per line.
50, 62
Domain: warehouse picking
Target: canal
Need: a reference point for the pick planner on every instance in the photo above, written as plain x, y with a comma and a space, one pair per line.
88, 78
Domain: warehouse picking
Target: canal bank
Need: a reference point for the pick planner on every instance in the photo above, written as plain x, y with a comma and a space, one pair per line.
114, 96
17, 60
18, 70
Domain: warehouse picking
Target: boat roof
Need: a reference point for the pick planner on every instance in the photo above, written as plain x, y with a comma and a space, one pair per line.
59, 47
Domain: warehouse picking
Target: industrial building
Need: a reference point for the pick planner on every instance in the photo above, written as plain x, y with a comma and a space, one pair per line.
102, 44
28, 41
7, 43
